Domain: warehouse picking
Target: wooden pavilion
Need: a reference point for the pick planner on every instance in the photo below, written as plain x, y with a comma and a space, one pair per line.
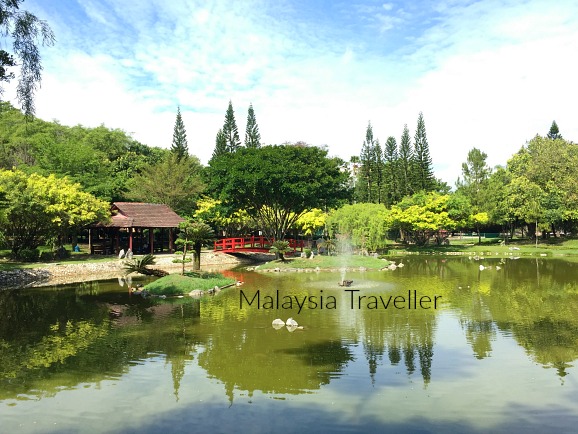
141, 227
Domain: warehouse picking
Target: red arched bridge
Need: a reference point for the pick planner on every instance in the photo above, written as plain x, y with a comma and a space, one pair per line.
252, 244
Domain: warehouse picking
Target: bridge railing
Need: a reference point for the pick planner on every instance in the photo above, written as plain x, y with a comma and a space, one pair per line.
259, 243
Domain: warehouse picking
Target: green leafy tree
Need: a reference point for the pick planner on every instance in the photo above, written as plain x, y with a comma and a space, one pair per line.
280, 248
405, 164
474, 185
171, 182
230, 131
27, 32
365, 225
39, 208
141, 266
422, 171
278, 184
179, 146
194, 234
422, 216
252, 135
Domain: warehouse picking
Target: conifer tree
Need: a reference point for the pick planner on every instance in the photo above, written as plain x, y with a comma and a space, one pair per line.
230, 130
179, 146
366, 179
252, 135
220, 145
554, 132
422, 170
405, 164
377, 160
390, 171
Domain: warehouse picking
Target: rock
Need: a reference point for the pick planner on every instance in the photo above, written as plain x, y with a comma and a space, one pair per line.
196, 293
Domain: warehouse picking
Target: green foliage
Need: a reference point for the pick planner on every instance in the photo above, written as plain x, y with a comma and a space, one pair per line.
175, 284
422, 216
422, 171
405, 163
174, 182
554, 132
280, 248
38, 208
369, 178
365, 225
277, 184
141, 266
193, 234
179, 146
252, 135
230, 131
311, 221
27, 255
220, 144
26, 31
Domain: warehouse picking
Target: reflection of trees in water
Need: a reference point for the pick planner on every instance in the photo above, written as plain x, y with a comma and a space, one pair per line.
75, 339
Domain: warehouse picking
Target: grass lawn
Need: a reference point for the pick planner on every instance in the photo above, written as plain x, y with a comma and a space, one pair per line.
323, 262
175, 284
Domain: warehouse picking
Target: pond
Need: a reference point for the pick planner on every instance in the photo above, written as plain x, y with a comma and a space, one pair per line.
495, 353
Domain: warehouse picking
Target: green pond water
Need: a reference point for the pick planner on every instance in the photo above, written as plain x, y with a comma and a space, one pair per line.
497, 353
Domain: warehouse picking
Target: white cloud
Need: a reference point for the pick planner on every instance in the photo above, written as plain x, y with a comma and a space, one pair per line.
487, 74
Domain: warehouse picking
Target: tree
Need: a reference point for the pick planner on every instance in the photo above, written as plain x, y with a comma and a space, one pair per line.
554, 132
42, 208
391, 172
194, 234
277, 184
179, 146
230, 131
252, 135
364, 225
27, 32
311, 221
474, 186
171, 182
405, 164
369, 172
421, 216
220, 144
422, 171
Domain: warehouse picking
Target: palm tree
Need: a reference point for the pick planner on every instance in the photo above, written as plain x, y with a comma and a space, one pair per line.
139, 265
194, 234
280, 247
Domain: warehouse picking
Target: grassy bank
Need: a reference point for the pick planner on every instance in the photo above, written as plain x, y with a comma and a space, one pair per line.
175, 284
469, 246
324, 262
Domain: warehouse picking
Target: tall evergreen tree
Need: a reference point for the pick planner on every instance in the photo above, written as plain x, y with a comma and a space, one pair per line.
179, 146
390, 172
377, 159
230, 130
422, 170
554, 132
220, 145
405, 164
252, 135
365, 185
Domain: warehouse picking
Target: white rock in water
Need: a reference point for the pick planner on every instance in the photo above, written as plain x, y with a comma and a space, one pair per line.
291, 323
278, 321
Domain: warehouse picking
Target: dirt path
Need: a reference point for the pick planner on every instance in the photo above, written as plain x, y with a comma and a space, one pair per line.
61, 273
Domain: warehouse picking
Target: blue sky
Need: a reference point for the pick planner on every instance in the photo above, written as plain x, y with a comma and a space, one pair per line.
486, 74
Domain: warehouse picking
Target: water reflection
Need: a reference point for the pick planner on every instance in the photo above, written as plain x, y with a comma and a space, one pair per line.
56, 339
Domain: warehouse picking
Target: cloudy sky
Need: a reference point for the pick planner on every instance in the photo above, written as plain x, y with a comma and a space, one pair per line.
488, 74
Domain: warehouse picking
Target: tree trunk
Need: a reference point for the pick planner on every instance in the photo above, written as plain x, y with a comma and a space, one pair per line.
197, 257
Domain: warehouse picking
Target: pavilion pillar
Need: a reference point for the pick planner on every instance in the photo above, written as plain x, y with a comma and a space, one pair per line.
151, 240
117, 242
171, 244
90, 240
130, 238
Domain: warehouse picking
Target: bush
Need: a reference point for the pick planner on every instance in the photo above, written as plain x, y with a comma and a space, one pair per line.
47, 256
307, 253
27, 255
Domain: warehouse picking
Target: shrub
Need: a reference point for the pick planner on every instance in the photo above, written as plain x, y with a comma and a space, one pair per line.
307, 253
27, 255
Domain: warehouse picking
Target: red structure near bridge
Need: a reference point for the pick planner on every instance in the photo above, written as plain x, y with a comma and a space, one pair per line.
252, 244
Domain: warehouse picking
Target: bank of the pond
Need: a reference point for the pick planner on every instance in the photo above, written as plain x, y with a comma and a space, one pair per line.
63, 273
175, 284
326, 263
